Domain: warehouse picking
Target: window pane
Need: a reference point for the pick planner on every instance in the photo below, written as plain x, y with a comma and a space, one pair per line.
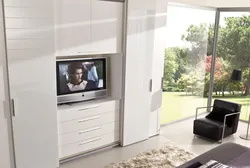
187, 61
233, 52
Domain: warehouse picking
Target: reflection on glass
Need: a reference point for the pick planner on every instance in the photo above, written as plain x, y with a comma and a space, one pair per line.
187, 61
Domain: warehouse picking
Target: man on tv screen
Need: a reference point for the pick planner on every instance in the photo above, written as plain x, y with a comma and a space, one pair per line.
78, 79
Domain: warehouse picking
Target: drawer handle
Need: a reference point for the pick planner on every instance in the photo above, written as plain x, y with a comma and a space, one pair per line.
89, 108
88, 130
88, 119
89, 141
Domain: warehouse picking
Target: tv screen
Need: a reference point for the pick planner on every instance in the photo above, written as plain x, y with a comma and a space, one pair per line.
80, 75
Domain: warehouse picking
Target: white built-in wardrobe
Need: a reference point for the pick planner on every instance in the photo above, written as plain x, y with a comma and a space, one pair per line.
28, 105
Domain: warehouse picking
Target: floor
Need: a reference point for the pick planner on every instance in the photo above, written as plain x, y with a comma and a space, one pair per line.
184, 137
179, 133
103, 158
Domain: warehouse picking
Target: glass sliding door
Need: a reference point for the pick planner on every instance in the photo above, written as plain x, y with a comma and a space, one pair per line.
187, 61
233, 52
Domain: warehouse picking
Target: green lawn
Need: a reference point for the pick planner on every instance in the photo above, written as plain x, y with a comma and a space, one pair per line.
178, 105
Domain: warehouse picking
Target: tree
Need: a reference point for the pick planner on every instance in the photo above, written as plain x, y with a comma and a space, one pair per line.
170, 66
192, 82
200, 39
175, 63
235, 44
233, 52
218, 64
221, 82
235, 86
181, 61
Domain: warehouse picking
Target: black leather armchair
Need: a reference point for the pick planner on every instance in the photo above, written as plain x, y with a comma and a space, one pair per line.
220, 123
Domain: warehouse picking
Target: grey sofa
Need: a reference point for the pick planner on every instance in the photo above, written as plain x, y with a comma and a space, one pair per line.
229, 153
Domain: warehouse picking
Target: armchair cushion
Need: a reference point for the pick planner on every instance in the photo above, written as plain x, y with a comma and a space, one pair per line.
209, 128
218, 114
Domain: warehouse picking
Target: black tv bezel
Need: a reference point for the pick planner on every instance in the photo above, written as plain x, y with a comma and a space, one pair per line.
81, 60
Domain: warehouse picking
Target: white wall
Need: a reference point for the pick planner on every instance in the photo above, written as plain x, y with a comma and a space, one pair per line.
215, 3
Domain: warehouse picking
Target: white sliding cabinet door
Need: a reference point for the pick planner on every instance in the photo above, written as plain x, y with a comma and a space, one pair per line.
158, 65
4, 113
32, 80
139, 52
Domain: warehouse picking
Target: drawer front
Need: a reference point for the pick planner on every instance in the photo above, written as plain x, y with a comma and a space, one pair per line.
88, 122
81, 112
68, 150
87, 145
88, 133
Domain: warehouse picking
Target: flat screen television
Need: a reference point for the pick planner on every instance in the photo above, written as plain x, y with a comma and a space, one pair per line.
80, 79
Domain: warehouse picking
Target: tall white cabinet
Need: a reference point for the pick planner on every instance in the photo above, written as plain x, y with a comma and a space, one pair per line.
139, 54
31, 78
144, 69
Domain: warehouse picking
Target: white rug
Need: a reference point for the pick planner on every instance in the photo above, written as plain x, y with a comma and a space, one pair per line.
168, 156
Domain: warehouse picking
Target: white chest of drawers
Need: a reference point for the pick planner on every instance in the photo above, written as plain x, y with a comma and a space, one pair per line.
87, 126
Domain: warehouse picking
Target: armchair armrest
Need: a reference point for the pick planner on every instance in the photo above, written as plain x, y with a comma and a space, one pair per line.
198, 108
224, 125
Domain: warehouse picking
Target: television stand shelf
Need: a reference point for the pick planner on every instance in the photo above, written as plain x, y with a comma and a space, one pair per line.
87, 126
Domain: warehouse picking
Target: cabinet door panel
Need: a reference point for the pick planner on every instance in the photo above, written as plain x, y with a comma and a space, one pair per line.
158, 66
138, 74
32, 81
4, 112
106, 26
72, 27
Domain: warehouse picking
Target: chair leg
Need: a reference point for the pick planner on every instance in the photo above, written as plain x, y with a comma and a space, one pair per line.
222, 137
223, 132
